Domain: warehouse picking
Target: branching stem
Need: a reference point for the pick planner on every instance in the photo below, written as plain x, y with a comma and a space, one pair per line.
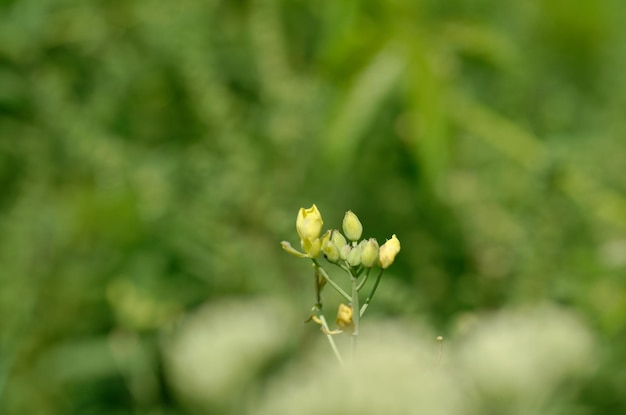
369, 298
362, 283
331, 282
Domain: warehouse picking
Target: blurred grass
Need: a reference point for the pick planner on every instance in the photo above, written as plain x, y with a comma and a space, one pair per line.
152, 156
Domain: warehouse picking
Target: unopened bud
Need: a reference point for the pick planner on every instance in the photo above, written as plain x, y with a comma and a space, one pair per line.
309, 223
354, 257
352, 226
344, 317
338, 239
388, 251
344, 252
309, 226
369, 253
312, 248
331, 252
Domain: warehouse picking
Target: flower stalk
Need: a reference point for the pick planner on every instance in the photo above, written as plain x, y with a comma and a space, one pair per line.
355, 314
355, 258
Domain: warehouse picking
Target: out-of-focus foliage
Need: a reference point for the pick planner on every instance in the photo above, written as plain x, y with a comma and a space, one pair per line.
153, 154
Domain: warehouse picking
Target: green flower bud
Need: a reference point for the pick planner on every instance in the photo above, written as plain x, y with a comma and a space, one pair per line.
388, 251
354, 257
352, 226
369, 253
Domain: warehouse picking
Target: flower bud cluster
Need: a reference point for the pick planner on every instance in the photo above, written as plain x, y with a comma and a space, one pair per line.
332, 241
338, 248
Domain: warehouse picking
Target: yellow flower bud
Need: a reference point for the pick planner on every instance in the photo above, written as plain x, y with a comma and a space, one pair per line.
344, 252
369, 253
309, 226
388, 251
338, 239
331, 252
312, 248
354, 257
344, 317
352, 226
309, 223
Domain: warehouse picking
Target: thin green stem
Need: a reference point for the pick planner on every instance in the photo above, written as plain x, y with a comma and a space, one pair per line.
331, 341
369, 298
362, 283
359, 270
323, 273
355, 313
318, 289
344, 266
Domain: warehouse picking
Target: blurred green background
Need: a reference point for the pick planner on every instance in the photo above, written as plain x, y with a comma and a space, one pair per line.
153, 155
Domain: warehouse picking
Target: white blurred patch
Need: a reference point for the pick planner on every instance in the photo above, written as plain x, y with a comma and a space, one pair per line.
394, 373
613, 253
520, 357
510, 362
218, 350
